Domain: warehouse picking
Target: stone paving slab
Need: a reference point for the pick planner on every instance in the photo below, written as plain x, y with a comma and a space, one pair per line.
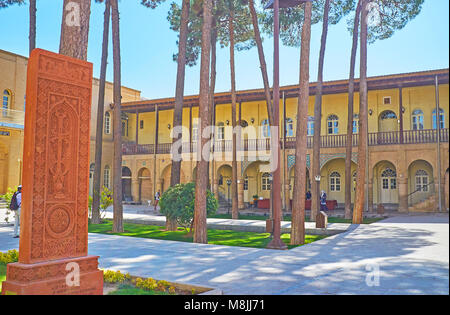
411, 254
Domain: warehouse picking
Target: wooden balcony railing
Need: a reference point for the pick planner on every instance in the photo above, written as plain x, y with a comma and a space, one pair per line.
328, 141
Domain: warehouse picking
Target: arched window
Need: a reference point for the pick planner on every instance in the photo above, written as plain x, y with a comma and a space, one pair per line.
422, 180
107, 123
333, 125
388, 114
417, 119
106, 176
6, 102
441, 119
265, 128
221, 131
265, 181
310, 126
335, 181
389, 179
289, 127
355, 123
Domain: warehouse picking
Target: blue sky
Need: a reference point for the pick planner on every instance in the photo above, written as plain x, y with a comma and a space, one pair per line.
148, 45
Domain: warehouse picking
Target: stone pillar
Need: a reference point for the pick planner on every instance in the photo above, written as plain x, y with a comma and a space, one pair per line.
436, 192
54, 231
287, 195
216, 188
160, 186
241, 193
135, 189
370, 196
402, 194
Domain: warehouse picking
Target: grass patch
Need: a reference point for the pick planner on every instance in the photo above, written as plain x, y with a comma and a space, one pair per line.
216, 237
2, 274
127, 289
288, 218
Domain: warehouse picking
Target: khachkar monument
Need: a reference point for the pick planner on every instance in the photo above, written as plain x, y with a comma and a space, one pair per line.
53, 251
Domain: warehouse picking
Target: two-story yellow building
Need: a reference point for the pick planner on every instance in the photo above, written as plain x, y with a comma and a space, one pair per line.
403, 152
404, 167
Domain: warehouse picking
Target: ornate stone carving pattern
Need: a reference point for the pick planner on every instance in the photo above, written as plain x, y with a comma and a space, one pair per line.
74, 244
47, 271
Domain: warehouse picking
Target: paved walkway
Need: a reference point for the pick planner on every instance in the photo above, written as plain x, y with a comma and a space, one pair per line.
410, 252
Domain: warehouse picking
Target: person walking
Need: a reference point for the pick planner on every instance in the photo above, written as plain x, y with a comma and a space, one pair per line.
16, 205
323, 201
157, 195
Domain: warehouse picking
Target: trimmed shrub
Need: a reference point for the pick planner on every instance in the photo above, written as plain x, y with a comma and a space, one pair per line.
178, 203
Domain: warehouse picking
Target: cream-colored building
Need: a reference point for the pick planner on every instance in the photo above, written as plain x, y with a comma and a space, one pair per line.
404, 168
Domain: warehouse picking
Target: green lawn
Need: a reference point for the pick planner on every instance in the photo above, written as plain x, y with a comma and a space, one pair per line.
126, 289
216, 237
288, 218
2, 274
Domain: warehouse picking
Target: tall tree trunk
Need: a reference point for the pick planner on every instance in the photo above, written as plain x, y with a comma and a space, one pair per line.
234, 192
363, 120
32, 35
212, 88
351, 89
117, 162
315, 194
298, 206
179, 95
200, 228
100, 114
262, 61
75, 28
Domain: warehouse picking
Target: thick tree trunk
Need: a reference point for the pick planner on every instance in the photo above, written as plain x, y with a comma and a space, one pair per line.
298, 206
351, 89
75, 28
117, 162
315, 193
100, 113
234, 192
200, 228
363, 103
179, 95
32, 35
262, 61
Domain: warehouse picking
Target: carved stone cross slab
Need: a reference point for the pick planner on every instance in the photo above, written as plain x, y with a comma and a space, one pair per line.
54, 215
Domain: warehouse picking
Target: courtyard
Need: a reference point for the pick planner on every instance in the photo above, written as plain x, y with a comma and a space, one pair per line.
408, 253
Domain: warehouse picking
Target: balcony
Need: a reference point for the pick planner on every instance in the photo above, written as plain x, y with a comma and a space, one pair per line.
12, 118
329, 141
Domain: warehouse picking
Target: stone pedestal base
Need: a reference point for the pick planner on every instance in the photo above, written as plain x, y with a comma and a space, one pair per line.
321, 220
58, 277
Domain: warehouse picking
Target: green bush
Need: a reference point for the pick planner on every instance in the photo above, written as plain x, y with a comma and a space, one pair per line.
9, 257
178, 203
7, 198
106, 200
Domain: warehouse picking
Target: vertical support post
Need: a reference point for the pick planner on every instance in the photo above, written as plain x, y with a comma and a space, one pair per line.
137, 129
284, 205
155, 147
438, 128
400, 113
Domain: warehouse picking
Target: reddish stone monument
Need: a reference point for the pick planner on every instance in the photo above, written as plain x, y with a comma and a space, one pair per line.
53, 252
